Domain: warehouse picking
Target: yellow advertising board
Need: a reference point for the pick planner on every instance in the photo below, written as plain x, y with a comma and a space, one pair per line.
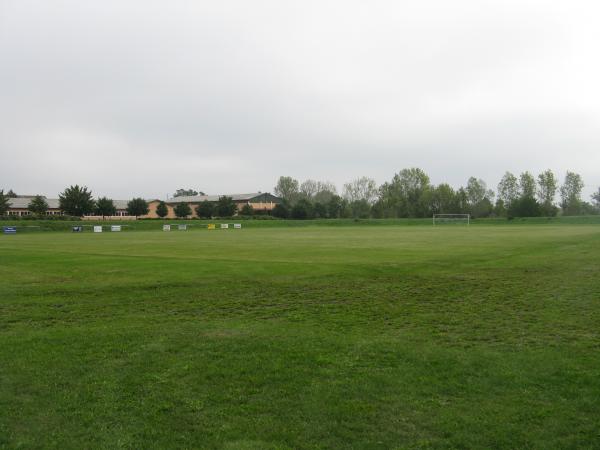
211, 226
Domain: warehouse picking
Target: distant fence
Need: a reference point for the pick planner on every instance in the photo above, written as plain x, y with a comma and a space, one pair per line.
111, 218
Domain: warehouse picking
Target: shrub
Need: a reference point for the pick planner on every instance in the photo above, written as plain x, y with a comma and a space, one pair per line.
182, 210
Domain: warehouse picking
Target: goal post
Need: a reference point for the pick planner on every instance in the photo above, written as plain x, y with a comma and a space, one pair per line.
440, 219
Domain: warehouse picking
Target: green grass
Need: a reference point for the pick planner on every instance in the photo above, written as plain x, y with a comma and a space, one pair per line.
35, 225
302, 337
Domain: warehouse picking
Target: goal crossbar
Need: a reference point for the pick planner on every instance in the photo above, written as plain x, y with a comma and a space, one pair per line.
446, 218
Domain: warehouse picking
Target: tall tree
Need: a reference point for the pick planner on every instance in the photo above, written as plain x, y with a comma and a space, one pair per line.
596, 198
4, 203
287, 188
546, 192
479, 198
547, 187
361, 209
137, 207
186, 193
105, 207
362, 188
205, 209
11, 194
162, 210
226, 207
406, 194
570, 193
76, 201
334, 207
325, 190
38, 205
182, 210
309, 188
443, 200
524, 207
476, 190
527, 186
508, 189
303, 209
320, 210
462, 201
282, 210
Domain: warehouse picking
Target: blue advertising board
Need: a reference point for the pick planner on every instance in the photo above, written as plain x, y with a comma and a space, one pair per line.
10, 230
77, 229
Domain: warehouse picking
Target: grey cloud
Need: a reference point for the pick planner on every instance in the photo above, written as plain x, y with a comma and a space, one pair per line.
138, 98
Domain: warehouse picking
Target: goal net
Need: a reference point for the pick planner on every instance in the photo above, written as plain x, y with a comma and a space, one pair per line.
453, 219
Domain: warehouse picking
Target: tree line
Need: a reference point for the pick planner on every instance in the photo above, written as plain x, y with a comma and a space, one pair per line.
410, 193
78, 201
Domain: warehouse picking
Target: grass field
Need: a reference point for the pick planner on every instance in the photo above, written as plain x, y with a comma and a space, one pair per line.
305, 337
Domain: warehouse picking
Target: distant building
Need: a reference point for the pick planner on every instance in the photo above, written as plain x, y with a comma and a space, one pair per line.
18, 206
261, 202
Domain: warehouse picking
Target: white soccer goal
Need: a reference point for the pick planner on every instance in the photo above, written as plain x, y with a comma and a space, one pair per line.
458, 219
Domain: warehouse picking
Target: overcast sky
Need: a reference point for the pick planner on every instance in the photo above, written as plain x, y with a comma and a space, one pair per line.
143, 97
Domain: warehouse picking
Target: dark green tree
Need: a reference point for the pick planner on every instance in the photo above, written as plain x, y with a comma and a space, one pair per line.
480, 198
406, 195
137, 207
443, 200
546, 192
281, 210
182, 210
596, 198
524, 207
226, 207
320, 210
500, 208
162, 210
105, 207
361, 209
76, 201
589, 209
247, 210
483, 208
11, 194
378, 210
527, 185
38, 205
186, 193
205, 209
303, 209
346, 210
325, 190
4, 203
508, 189
334, 207
570, 193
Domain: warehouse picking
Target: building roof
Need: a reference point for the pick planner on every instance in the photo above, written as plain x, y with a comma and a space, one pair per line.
23, 202
120, 204
53, 203
214, 198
